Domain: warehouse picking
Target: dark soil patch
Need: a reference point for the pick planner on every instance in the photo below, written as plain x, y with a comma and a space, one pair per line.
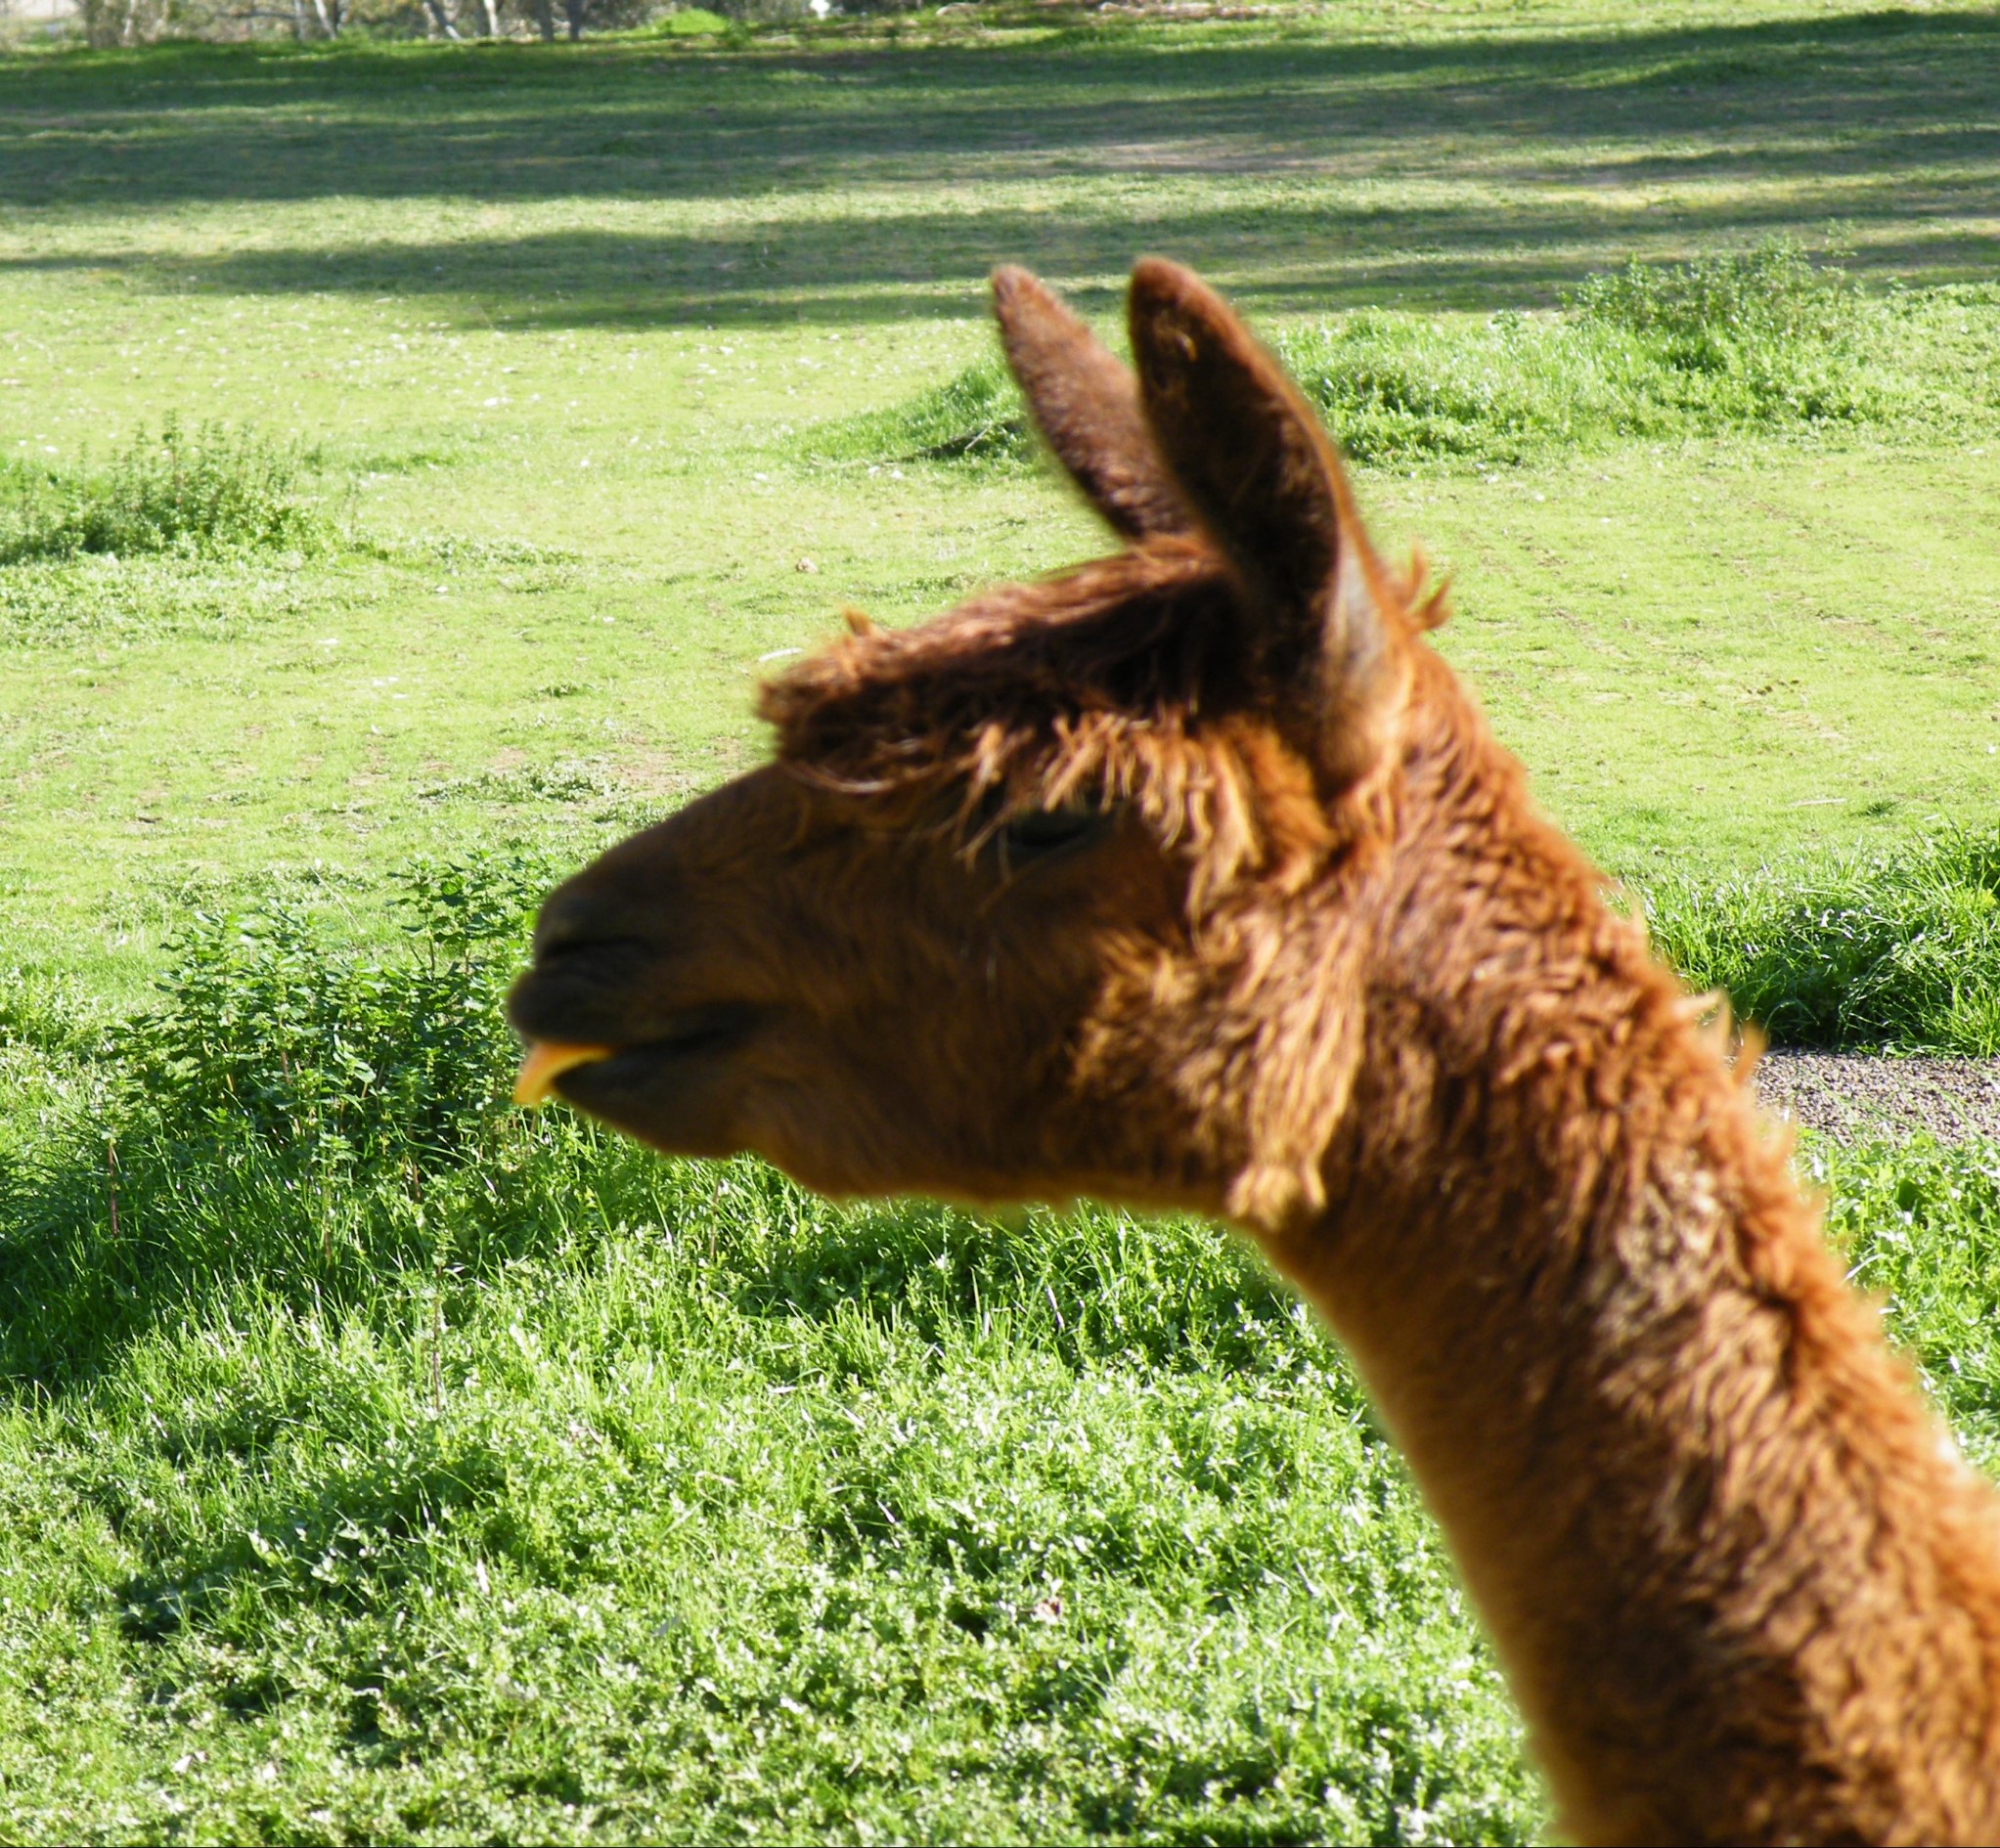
1854, 1096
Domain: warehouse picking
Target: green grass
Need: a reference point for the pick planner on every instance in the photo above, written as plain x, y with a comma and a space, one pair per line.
532, 1487
1920, 1223
975, 417
505, 1479
1756, 343
1898, 949
390, 1465
573, 307
664, 1549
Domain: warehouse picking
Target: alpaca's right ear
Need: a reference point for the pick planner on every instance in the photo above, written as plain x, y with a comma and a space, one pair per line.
1251, 460
1086, 405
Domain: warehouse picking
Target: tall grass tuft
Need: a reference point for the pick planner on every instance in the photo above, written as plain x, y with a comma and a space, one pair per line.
1897, 949
271, 1031
1722, 314
975, 417
1759, 341
209, 490
1763, 342
293, 1115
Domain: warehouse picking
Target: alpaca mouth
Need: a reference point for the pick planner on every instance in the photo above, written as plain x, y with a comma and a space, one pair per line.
546, 1061
606, 1067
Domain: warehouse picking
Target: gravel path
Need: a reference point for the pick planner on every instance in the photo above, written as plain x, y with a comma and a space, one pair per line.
1853, 1095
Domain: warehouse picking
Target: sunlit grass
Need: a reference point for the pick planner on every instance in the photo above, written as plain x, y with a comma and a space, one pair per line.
378, 1463
1758, 343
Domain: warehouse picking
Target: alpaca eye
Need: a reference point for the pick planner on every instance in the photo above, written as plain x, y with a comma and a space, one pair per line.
1040, 831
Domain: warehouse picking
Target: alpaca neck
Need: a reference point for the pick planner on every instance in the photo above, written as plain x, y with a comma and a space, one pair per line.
1742, 1584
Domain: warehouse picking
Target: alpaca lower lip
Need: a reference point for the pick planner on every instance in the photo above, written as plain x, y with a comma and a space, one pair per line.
547, 1060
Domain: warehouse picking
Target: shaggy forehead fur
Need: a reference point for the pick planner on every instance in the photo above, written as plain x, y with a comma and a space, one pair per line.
1007, 679
1134, 678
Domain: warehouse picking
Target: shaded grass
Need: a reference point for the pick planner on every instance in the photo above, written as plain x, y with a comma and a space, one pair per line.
1307, 157
1752, 343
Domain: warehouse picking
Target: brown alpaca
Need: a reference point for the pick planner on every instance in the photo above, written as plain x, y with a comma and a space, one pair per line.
1194, 878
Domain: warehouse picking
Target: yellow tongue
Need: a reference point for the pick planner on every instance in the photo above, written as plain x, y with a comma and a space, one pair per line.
545, 1063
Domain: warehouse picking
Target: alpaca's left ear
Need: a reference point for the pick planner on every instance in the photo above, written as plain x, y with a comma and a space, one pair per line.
1251, 459
1086, 405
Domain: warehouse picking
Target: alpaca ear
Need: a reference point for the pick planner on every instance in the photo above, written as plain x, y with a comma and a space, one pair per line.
1261, 476
1085, 404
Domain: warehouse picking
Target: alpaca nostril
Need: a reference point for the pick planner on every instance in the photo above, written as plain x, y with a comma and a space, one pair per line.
570, 921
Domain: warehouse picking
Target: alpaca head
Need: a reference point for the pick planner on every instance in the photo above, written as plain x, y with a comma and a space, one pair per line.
1067, 889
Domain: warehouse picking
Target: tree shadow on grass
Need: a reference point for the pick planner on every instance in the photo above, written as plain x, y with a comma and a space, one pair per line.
511, 122
879, 184
936, 264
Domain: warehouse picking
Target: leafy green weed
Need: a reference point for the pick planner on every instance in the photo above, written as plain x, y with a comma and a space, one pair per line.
207, 491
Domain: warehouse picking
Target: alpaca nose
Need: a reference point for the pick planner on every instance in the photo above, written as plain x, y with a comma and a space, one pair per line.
572, 920
594, 973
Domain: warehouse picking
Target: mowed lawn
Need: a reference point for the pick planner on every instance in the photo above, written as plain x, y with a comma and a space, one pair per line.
504, 1482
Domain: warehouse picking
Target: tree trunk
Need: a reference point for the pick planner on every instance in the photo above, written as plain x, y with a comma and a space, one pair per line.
490, 11
545, 18
442, 19
574, 11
